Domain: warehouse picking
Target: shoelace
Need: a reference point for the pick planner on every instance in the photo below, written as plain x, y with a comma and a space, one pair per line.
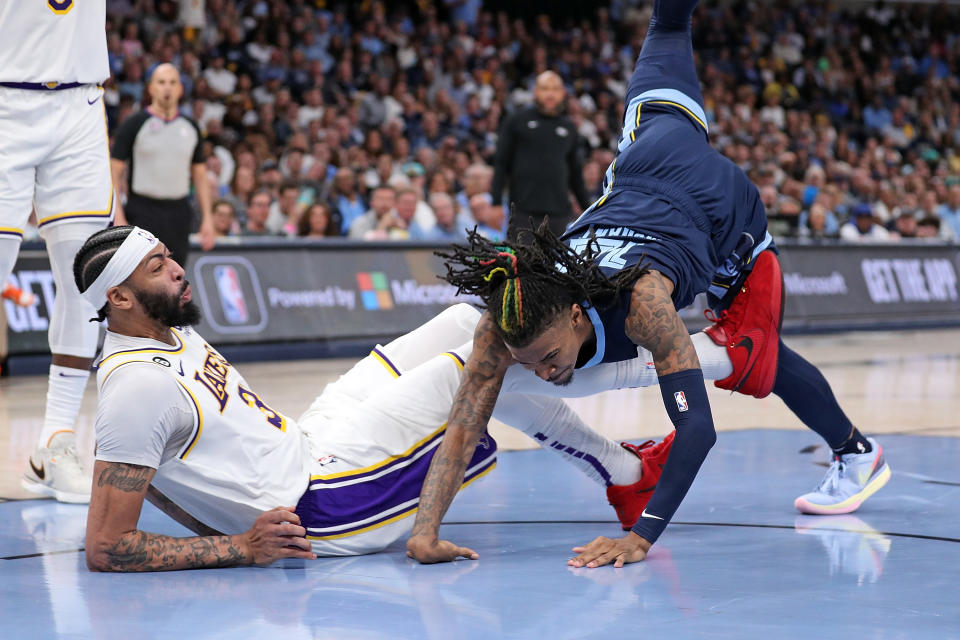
831, 482
637, 448
712, 317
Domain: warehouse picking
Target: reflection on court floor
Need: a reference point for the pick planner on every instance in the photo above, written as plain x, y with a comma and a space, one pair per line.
738, 561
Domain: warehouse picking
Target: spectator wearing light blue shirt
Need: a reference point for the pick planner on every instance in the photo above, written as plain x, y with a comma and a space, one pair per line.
449, 227
949, 214
876, 116
818, 223
464, 10
346, 199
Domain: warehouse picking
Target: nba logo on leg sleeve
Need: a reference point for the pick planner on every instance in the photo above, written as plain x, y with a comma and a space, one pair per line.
681, 401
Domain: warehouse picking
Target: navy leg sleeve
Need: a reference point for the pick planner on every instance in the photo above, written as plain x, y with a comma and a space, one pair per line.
685, 397
666, 59
807, 393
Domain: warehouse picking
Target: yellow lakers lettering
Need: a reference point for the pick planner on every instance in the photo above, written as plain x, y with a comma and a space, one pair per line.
214, 376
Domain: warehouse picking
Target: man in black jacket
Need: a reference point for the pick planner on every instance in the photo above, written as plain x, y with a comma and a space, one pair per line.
537, 150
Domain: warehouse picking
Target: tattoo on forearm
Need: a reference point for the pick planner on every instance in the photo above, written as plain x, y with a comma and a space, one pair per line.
470, 413
129, 478
653, 322
142, 551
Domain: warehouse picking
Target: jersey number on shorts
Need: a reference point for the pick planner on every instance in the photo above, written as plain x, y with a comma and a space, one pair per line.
253, 400
61, 7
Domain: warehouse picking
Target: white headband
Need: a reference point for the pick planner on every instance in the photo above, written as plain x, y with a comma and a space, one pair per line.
120, 266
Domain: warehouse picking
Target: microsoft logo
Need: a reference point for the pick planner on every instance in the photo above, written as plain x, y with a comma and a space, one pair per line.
374, 290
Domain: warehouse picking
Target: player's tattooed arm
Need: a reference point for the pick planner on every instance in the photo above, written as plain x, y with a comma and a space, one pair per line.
167, 505
653, 323
115, 544
471, 410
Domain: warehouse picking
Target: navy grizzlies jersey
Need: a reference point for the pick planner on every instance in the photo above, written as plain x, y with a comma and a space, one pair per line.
673, 201
611, 343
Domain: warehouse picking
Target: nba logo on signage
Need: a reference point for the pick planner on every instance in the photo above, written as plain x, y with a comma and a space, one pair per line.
374, 290
231, 294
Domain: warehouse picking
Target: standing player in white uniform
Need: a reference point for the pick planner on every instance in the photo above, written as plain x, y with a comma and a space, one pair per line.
178, 425
54, 158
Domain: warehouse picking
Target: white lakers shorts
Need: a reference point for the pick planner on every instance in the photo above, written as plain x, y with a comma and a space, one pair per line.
373, 434
53, 157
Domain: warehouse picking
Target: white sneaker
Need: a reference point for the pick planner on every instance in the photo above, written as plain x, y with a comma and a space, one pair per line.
850, 480
56, 472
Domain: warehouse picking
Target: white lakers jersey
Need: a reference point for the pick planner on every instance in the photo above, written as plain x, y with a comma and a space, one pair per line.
233, 458
53, 41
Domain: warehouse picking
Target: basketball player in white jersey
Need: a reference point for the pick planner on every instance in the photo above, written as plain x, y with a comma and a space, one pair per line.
178, 425
54, 158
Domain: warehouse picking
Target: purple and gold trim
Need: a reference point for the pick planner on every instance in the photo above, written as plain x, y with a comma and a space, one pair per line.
177, 348
75, 215
407, 510
199, 422
383, 466
455, 357
11, 232
60, 7
41, 86
352, 502
385, 361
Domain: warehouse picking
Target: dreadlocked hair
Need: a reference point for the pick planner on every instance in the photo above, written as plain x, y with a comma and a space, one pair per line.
525, 285
93, 257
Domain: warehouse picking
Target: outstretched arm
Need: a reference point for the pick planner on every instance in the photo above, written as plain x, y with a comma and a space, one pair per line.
653, 322
472, 407
115, 544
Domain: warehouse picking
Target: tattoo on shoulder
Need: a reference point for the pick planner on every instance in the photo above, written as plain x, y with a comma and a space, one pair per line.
129, 478
653, 322
490, 352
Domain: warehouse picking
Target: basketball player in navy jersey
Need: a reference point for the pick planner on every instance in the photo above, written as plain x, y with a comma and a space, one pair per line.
676, 219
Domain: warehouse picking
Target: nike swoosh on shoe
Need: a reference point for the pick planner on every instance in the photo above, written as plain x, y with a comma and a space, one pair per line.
41, 473
747, 343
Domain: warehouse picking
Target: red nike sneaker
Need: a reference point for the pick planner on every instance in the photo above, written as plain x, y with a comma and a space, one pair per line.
750, 329
630, 500
18, 296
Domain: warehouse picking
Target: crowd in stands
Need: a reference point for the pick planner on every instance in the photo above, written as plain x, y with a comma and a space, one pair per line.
378, 120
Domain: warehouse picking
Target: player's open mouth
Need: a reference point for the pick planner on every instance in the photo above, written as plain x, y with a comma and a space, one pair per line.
185, 296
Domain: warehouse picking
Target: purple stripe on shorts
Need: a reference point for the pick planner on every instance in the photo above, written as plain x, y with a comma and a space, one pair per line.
364, 504
320, 482
79, 216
